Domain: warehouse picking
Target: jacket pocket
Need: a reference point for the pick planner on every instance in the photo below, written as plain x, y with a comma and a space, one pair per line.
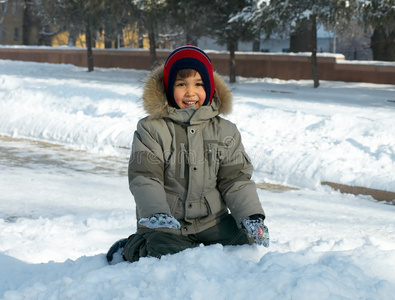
176, 205
196, 209
214, 202
214, 156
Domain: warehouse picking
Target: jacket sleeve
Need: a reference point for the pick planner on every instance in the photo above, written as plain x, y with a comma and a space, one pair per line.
145, 172
234, 179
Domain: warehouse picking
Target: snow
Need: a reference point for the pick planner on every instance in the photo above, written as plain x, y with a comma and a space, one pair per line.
366, 62
64, 198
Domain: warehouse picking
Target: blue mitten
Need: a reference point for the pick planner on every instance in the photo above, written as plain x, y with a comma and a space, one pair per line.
257, 230
160, 220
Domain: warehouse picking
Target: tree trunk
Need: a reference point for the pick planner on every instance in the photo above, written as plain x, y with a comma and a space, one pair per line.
314, 64
30, 25
191, 39
89, 47
73, 33
391, 46
43, 38
232, 62
382, 44
140, 35
300, 39
152, 45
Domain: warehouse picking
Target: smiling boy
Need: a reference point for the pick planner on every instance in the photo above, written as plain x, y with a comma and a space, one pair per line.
188, 171
189, 89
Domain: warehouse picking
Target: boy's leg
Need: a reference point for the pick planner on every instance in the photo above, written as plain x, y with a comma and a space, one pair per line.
161, 243
156, 243
226, 233
135, 248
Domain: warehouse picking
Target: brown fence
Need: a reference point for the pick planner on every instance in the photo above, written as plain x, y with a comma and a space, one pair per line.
282, 66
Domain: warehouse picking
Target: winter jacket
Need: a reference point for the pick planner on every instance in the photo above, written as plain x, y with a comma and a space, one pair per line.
190, 163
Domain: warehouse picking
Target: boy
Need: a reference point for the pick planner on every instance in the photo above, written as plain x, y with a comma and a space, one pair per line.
188, 171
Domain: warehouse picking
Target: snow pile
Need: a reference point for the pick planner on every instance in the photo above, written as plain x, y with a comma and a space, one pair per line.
65, 200
295, 134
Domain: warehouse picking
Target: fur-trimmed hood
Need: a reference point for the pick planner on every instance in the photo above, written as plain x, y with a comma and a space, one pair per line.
155, 100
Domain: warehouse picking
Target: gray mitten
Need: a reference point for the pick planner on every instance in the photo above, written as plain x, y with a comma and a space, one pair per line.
160, 220
257, 230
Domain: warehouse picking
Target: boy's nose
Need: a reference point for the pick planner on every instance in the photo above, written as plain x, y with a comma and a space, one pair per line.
190, 91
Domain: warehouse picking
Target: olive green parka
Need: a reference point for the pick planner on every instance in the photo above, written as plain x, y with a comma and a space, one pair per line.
190, 163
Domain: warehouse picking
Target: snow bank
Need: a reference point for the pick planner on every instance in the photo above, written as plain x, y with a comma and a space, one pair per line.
295, 134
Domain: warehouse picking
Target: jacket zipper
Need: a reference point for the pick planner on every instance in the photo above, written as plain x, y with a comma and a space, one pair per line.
210, 157
183, 157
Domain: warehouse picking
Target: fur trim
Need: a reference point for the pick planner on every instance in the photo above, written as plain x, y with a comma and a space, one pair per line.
155, 100
224, 94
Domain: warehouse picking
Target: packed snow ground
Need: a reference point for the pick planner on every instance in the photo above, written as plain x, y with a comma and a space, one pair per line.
64, 197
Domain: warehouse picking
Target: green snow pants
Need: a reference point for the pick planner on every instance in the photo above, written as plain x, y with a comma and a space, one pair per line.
156, 243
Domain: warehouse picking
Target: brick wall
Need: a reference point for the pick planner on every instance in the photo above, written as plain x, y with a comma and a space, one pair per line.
282, 66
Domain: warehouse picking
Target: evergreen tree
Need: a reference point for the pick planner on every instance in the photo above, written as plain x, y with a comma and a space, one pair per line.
231, 22
380, 15
287, 16
149, 13
74, 16
190, 17
116, 18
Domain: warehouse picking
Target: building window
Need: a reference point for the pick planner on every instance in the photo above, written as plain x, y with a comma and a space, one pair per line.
15, 6
16, 34
3, 34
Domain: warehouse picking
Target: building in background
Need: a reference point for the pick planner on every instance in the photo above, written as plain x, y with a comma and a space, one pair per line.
19, 25
327, 42
11, 22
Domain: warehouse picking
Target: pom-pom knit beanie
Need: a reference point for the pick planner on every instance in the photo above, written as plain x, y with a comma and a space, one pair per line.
188, 57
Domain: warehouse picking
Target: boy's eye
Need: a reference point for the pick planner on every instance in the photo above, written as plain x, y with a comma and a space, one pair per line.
200, 84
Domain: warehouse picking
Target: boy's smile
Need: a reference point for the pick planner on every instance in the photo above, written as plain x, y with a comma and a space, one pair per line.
189, 91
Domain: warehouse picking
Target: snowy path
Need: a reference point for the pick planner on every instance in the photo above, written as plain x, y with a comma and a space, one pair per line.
61, 209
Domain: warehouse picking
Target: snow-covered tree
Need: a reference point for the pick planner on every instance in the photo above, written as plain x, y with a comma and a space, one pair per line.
190, 18
230, 23
380, 15
286, 16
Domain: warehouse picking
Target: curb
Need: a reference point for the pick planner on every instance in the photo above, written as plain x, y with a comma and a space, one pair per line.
379, 195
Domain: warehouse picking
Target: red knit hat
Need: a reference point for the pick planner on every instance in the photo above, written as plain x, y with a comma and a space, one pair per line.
188, 57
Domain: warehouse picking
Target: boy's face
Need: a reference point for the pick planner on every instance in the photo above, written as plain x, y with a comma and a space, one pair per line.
189, 91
